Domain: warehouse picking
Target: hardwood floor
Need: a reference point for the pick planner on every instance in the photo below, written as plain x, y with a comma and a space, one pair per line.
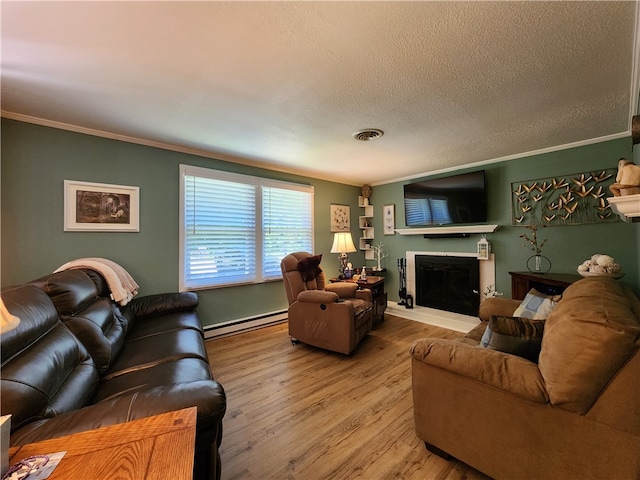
297, 412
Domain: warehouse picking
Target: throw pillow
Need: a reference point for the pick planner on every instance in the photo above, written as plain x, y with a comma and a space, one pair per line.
536, 305
309, 267
517, 336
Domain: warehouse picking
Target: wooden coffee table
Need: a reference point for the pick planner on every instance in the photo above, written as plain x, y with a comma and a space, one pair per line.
159, 447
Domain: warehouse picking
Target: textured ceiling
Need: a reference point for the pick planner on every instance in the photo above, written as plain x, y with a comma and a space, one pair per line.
285, 84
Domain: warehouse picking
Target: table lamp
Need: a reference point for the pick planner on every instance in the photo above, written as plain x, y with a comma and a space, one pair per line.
343, 244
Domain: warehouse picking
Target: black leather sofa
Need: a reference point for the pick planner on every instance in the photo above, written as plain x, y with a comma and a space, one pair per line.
78, 361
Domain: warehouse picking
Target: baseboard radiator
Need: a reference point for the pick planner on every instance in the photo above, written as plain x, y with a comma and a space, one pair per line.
241, 325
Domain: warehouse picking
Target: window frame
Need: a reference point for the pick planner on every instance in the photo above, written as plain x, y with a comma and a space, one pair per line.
259, 184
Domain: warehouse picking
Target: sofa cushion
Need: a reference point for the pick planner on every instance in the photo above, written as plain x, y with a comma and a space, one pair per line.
536, 305
183, 370
589, 336
96, 321
147, 351
517, 336
46, 371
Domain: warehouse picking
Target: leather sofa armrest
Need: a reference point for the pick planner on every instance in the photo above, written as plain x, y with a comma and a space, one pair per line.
493, 368
317, 296
207, 395
497, 306
343, 289
365, 294
162, 303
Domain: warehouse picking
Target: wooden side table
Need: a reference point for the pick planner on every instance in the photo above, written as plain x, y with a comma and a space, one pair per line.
547, 283
153, 448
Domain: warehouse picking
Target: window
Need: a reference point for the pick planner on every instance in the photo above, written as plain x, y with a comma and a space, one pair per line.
235, 229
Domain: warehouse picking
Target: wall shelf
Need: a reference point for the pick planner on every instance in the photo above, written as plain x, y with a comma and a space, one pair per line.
365, 223
627, 207
448, 230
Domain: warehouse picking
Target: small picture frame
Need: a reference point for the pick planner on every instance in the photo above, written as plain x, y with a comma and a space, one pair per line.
389, 219
340, 218
90, 207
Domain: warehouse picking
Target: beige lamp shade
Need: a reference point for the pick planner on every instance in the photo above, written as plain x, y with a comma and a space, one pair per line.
343, 243
7, 321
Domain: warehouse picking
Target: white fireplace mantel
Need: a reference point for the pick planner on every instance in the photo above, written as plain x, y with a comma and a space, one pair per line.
440, 318
462, 229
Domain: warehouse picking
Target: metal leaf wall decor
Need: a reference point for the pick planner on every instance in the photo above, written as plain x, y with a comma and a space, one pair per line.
568, 200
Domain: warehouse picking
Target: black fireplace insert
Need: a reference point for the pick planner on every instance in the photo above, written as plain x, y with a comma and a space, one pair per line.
448, 283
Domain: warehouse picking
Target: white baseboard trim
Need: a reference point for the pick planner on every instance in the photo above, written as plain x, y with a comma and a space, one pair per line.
431, 316
233, 327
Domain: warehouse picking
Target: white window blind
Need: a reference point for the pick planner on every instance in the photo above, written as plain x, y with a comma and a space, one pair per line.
235, 228
288, 226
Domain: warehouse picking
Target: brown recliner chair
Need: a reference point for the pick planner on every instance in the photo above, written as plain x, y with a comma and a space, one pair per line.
334, 316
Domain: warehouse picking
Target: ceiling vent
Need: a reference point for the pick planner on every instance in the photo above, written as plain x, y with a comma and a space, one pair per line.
368, 134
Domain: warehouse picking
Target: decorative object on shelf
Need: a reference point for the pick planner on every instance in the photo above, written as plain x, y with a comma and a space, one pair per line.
348, 272
365, 223
491, 292
537, 263
627, 179
389, 219
402, 280
343, 244
568, 200
366, 194
340, 218
484, 249
600, 265
101, 207
378, 251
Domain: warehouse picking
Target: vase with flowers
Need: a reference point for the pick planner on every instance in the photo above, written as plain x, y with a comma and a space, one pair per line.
537, 263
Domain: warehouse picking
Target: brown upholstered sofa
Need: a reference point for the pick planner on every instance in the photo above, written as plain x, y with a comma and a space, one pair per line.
573, 415
78, 361
333, 316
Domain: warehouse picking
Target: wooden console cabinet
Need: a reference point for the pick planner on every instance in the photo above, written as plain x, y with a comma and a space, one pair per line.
547, 283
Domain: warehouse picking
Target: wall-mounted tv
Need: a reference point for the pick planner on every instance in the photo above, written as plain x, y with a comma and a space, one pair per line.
455, 199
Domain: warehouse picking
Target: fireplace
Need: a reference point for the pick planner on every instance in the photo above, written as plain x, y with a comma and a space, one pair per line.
448, 283
487, 278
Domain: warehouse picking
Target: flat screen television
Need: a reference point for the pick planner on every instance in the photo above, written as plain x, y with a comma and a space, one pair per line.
455, 199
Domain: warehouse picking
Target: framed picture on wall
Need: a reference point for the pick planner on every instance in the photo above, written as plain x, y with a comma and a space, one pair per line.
90, 207
340, 218
389, 219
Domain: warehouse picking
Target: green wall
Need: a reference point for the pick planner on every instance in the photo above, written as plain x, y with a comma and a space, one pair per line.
567, 246
36, 160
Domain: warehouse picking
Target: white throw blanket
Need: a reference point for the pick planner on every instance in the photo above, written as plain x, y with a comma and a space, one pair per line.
122, 285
